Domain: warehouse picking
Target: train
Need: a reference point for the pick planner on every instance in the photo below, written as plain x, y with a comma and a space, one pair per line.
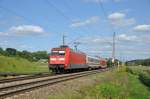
64, 59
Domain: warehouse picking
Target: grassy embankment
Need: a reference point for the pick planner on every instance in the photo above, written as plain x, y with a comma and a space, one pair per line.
116, 84
19, 65
143, 73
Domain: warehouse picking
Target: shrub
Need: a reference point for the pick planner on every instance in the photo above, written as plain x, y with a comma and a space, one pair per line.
142, 72
145, 78
134, 70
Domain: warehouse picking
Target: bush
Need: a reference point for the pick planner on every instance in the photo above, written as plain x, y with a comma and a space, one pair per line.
134, 70
145, 78
142, 72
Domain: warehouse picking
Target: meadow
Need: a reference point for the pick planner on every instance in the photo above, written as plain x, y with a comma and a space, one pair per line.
20, 65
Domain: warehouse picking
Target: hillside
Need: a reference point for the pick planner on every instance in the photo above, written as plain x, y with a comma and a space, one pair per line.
20, 65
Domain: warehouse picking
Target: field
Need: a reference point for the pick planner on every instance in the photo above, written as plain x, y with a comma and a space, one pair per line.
116, 84
19, 65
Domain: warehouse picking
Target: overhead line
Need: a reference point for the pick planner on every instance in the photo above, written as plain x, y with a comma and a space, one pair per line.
105, 13
9, 10
88, 28
58, 10
65, 16
114, 33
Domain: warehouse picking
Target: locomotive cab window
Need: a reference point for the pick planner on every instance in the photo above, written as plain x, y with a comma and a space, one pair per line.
58, 52
61, 52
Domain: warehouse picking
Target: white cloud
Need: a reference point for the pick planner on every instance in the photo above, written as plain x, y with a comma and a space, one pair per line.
142, 28
119, 19
4, 44
96, 40
4, 34
124, 37
125, 43
26, 29
116, 15
29, 30
91, 20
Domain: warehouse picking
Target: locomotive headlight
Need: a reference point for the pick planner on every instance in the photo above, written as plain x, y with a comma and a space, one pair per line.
61, 59
52, 59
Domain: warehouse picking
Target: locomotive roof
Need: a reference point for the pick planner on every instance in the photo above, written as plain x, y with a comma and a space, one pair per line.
63, 47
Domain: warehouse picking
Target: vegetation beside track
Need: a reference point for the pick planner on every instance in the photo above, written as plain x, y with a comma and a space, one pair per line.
20, 65
116, 84
142, 72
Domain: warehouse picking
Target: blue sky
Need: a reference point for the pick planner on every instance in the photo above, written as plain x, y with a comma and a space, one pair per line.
39, 25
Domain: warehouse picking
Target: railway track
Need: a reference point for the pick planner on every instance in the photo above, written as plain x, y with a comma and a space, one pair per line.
26, 77
30, 84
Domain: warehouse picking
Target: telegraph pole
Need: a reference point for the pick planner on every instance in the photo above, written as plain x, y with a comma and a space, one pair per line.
113, 50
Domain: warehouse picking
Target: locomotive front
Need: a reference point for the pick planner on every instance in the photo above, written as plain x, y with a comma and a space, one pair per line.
58, 59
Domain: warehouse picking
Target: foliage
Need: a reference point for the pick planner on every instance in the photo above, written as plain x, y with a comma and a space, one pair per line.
145, 78
142, 72
1, 50
31, 56
134, 70
10, 51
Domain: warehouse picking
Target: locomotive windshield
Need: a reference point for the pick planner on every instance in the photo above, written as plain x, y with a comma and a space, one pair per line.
58, 53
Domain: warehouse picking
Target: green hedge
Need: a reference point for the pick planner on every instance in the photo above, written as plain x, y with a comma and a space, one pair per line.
143, 73
145, 78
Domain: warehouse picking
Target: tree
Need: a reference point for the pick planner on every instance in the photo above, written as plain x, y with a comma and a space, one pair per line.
31, 56
1, 51
40, 55
11, 51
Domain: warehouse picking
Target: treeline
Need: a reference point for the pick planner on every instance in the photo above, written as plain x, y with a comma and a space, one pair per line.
142, 62
31, 56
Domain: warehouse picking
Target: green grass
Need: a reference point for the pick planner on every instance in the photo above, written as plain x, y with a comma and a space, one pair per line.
145, 78
123, 86
117, 84
137, 90
19, 65
142, 72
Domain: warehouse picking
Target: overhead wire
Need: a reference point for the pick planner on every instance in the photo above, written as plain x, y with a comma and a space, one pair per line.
65, 16
87, 28
100, 3
17, 14
66, 4
58, 10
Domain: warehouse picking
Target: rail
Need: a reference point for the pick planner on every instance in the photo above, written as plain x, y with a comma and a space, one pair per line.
10, 90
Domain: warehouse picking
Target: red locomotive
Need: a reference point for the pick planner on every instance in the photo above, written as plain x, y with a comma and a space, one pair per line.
64, 58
